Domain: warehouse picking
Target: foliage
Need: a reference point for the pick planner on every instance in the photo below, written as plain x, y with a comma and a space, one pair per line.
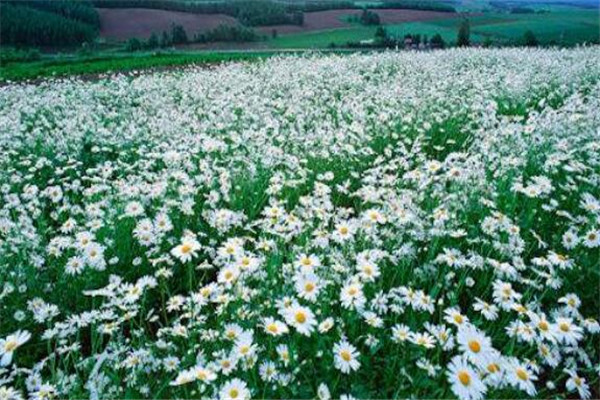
134, 44
228, 33
250, 13
78, 10
464, 34
10, 55
153, 42
368, 17
25, 26
529, 39
178, 34
437, 41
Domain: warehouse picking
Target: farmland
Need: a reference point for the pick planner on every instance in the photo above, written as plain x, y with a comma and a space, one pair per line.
320, 29
380, 225
122, 24
568, 27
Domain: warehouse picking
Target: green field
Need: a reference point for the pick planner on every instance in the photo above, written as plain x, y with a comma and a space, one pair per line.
321, 39
567, 27
560, 25
105, 63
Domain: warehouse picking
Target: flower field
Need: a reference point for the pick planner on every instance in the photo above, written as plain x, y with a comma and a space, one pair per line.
385, 225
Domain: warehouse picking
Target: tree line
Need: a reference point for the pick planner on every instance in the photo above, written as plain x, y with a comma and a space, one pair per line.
268, 12
383, 39
249, 13
178, 35
56, 23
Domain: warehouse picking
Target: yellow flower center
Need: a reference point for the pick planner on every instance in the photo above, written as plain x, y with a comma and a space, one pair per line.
522, 374
464, 378
186, 248
564, 326
474, 346
458, 319
346, 356
300, 317
493, 368
10, 346
233, 393
309, 287
201, 375
543, 325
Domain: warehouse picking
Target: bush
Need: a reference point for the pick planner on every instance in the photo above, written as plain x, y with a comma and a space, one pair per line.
529, 39
178, 35
228, 33
9, 55
165, 40
464, 33
437, 41
133, 44
152, 42
369, 18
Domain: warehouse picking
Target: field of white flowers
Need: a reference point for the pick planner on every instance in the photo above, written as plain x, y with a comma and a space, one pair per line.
365, 226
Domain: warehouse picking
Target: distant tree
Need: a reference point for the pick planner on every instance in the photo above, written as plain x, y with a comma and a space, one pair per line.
437, 41
297, 18
529, 39
381, 34
487, 42
133, 44
522, 10
178, 35
165, 40
417, 39
229, 33
152, 42
369, 17
464, 34
274, 33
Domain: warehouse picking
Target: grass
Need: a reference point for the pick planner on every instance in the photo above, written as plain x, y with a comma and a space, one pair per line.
131, 132
567, 26
322, 39
562, 26
104, 63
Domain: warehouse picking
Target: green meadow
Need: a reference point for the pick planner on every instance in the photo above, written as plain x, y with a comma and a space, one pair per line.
562, 26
